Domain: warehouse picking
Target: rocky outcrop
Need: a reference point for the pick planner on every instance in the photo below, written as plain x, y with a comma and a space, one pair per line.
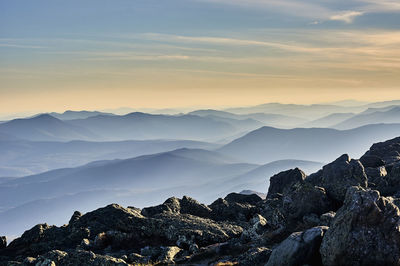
186, 205
300, 248
345, 214
235, 207
382, 162
337, 176
365, 231
282, 182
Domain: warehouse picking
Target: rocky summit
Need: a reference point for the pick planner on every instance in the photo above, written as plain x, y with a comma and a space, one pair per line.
345, 214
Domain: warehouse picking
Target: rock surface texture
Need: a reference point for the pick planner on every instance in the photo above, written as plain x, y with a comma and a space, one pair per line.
345, 214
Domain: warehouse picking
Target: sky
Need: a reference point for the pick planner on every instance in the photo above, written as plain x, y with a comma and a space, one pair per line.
100, 54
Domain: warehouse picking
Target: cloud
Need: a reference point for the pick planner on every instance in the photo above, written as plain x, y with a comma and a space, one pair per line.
347, 16
230, 41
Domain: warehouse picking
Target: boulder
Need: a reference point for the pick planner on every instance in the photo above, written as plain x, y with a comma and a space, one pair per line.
371, 161
341, 174
255, 228
299, 248
304, 199
173, 205
365, 231
388, 152
239, 212
251, 199
282, 182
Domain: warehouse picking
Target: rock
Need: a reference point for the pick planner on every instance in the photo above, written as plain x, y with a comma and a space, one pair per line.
223, 210
299, 248
193, 207
372, 161
168, 254
38, 240
327, 218
135, 258
255, 229
365, 231
388, 152
283, 181
255, 256
75, 217
305, 199
173, 205
78, 258
193, 229
251, 199
3, 242
29, 261
341, 174
311, 220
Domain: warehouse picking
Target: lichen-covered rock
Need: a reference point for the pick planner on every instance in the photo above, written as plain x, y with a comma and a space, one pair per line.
57, 257
299, 248
255, 228
365, 231
282, 182
201, 231
341, 174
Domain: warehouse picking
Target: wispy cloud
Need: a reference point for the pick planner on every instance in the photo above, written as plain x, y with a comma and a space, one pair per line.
21, 46
347, 16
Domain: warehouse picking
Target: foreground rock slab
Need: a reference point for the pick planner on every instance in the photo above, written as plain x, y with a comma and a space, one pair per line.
365, 231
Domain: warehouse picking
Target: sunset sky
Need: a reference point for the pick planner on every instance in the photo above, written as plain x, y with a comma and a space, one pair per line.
99, 54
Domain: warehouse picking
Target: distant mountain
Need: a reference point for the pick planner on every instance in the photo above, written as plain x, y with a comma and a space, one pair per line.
139, 181
45, 127
275, 120
329, 120
255, 179
143, 179
142, 126
372, 116
315, 144
383, 104
21, 157
70, 115
158, 171
309, 112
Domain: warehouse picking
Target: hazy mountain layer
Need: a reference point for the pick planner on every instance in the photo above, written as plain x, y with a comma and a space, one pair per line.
21, 158
315, 144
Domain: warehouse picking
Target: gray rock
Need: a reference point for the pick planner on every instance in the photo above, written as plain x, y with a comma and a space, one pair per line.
304, 199
341, 174
365, 231
299, 248
388, 152
173, 205
327, 218
282, 182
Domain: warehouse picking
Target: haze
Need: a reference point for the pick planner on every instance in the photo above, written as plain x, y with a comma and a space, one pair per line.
98, 54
